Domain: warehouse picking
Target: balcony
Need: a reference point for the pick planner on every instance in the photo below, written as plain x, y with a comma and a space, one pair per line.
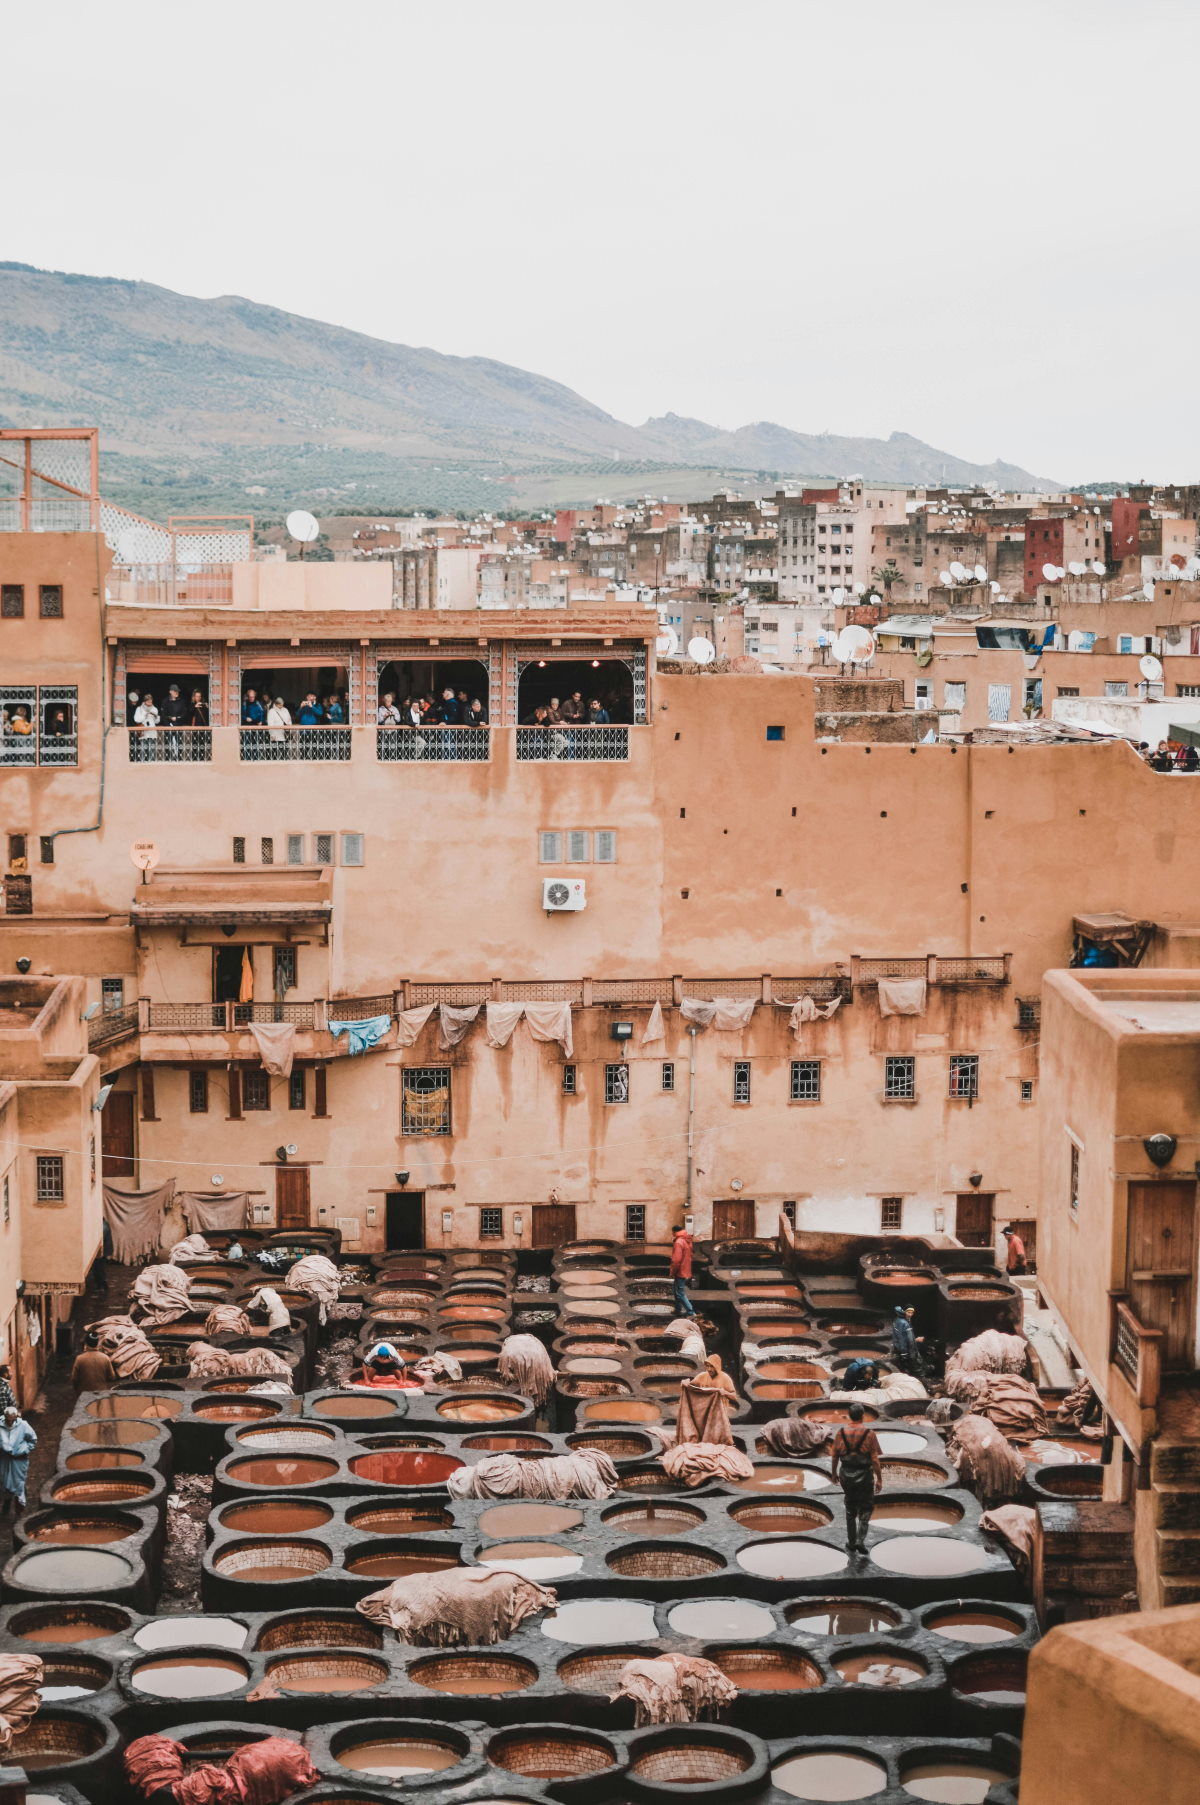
307, 745
171, 746
1135, 1352
981, 970
226, 1018
433, 745
568, 745
113, 1025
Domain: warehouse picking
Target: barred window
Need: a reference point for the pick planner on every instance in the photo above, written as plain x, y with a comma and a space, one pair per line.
891, 1214
50, 1178
239, 849
635, 1222
550, 848
267, 851
284, 969
569, 1073
50, 601
297, 1088
425, 1100
491, 1225
46, 848
900, 1077
353, 849
256, 1088
668, 1075
579, 847
1028, 1012
322, 849
1027, 1090
112, 995
606, 846
12, 601
741, 1081
198, 1093
295, 849
616, 1084
964, 1074
7, 1204
806, 1081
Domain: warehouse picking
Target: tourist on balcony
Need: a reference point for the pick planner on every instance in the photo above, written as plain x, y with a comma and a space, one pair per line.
573, 709
17, 1442
554, 712
173, 715
335, 714
539, 718
412, 714
463, 704
253, 714
854, 1459
387, 714
58, 725
681, 1268
597, 713
278, 718
311, 713
448, 712
477, 714
197, 710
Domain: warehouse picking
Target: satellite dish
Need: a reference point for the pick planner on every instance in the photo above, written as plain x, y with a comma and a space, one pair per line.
667, 643
144, 854
838, 596
958, 571
860, 589
858, 646
701, 651
1076, 569
945, 577
1050, 572
1097, 567
981, 575
1151, 668
1148, 589
994, 587
303, 526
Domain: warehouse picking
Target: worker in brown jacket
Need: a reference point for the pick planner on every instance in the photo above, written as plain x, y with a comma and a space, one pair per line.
92, 1371
855, 1463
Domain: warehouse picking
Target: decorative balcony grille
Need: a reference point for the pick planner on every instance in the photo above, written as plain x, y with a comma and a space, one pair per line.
310, 745
187, 1015
171, 746
433, 745
871, 970
821, 990
114, 1024
461, 996
548, 990
631, 990
705, 989
359, 1009
566, 745
301, 1014
970, 971
1125, 1348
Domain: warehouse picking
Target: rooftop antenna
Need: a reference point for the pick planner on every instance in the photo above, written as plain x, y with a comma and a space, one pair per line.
303, 527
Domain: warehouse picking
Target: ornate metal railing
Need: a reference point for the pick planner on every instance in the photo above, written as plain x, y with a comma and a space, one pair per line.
302, 1015
1135, 1351
271, 745
59, 749
170, 746
359, 1009
225, 1017
988, 970
433, 745
820, 989
187, 1015
566, 745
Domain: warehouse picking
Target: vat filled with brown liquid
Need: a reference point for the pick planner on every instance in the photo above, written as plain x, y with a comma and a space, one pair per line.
541, 1561
829, 1774
143, 1405
985, 1625
115, 1488
991, 1679
189, 1675
778, 1478
327, 1671
951, 1782
840, 1617
75, 1532
456, 1313
480, 1410
507, 1444
652, 1519
275, 1516
668, 1561
241, 1411
395, 1756
405, 1466
87, 1460
355, 1405
777, 1390
789, 1369
876, 1667
397, 1519
621, 1410
532, 1519
916, 1515
272, 1562
272, 1471
550, 1753
767, 1669
714, 1619
399, 1563
473, 1676
781, 1519
68, 1623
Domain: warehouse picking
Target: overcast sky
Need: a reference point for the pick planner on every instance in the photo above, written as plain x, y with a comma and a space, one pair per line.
971, 220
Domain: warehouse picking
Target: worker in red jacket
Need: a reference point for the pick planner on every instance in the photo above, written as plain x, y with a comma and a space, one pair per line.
681, 1268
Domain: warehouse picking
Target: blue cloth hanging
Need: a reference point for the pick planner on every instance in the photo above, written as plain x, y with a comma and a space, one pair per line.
361, 1035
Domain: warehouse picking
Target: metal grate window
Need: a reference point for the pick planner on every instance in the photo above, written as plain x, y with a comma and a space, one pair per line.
323, 849
46, 848
891, 1214
297, 1088
668, 1075
635, 1222
741, 1081
1029, 1012
50, 601
789, 1210
569, 1074
256, 1089
806, 1081
198, 1093
491, 1225
12, 601
964, 1074
353, 849
425, 1100
295, 849
112, 995
616, 1084
284, 969
1027, 1090
50, 1178
239, 849
267, 851
900, 1077
606, 846
550, 848
579, 847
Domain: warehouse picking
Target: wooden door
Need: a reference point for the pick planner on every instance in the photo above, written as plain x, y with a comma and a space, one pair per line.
973, 1218
291, 1197
553, 1224
1160, 1255
405, 1220
733, 1219
116, 1136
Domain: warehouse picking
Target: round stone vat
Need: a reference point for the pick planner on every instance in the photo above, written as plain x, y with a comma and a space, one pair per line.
588, 1621
544, 1562
899, 1442
532, 1518
722, 1619
834, 1413
356, 1407
327, 1670
590, 1366
492, 1408
784, 1558
68, 1676
621, 1410
982, 1623
907, 1473
405, 1466
76, 1571
508, 1444
772, 1328
189, 1673
665, 1561
572, 1386
772, 1391
947, 1777
474, 1675
68, 1622
235, 1410
61, 1743
1067, 1481
597, 1671
842, 1616
695, 1756
274, 1516
101, 1487
383, 1560
644, 1482
844, 1325
585, 1327
785, 1370
137, 1405
831, 1773
793, 1517
928, 1556
883, 1667
925, 1516
551, 1752
318, 1629
191, 1632
397, 1519
89, 1459
272, 1471
469, 1313
763, 1667
991, 1679
285, 1438
769, 1476
272, 1562
395, 1749
614, 1444
652, 1519
488, 1301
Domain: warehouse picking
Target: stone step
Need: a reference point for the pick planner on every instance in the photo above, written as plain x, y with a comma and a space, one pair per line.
1178, 1551
1178, 1591
1175, 1463
1176, 1506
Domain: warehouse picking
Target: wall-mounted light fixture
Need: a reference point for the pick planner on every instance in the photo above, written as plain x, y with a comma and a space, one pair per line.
975, 1180
1160, 1149
621, 1030
402, 1179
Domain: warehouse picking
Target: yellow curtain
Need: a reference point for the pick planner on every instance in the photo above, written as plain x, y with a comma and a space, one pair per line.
425, 1111
246, 989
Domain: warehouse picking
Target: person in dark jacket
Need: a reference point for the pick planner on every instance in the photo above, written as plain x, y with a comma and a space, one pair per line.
477, 714
173, 712
253, 712
597, 713
904, 1342
448, 711
197, 710
311, 713
855, 1464
860, 1375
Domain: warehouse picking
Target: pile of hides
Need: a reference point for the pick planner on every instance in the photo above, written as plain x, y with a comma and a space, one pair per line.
986, 1460
673, 1689
941, 1410
891, 1387
790, 1436
227, 1319
318, 1277
127, 1347
205, 1362
161, 1294
1014, 1525
457, 1607
268, 1299
437, 1369
1074, 1407
1010, 1402
257, 1773
704, 1401
20, 1694
135, 1218
525, 1363
192, 1247
585, 1474
991, 1352
270, 1388
692, 1462
691, 1341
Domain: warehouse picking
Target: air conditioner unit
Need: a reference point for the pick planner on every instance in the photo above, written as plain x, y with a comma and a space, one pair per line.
559, 893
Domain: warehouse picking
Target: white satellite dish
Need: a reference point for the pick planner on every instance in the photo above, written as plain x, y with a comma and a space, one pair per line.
1151, 668
958, 571
981, 575
303, 526
667, 643
1097, 568
838, 596
994, 587
860, 589
858, 646
945, 578
701, 651
1049, 571
1148, 589
1077, 569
